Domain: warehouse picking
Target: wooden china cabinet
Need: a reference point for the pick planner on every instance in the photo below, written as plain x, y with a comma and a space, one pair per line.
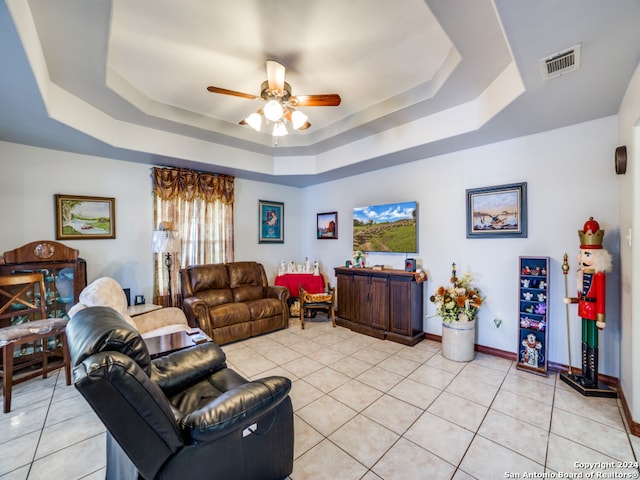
386, 304
65, 274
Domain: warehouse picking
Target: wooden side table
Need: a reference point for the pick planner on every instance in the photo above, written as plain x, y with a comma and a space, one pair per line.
172, 342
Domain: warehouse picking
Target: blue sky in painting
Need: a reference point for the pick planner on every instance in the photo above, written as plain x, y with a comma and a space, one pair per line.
385, 213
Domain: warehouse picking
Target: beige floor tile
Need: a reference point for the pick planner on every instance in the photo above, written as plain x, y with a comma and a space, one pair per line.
529, 386
603, 410
392, 413
420, 352
326, 379
303, 393
18, 452
488, 375
371, 355
306, 437
570, 457
67, 409
76, 461
22, 421
400, 365
415, 393
432, 376
487, 460
441, 363
595, 435
406, 460
63, 434
440, 437
537, 413
326, 414
436, 418
516, 434
379, 378
356, 395
302, 366
458, 410
350, 366
495, 363
474, 390
327, 356
327, 461
364, 439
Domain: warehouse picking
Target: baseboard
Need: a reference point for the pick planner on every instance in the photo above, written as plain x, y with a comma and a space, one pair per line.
634, 427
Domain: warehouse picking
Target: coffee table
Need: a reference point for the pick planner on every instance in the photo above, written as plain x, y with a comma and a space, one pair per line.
172, 342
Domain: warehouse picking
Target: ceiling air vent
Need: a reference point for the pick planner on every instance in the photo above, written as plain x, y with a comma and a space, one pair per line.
560, 63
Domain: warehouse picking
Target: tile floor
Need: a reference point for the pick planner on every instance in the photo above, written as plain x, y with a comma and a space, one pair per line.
365, 409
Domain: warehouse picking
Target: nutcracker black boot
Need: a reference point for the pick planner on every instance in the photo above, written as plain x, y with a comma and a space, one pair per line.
591, 379
585, 368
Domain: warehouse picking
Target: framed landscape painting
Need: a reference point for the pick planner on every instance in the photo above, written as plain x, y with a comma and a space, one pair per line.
499, 211
327, 226
271, 222
85, 218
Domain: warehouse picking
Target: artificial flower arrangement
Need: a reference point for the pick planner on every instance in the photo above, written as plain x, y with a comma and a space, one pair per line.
358, 257
459, 301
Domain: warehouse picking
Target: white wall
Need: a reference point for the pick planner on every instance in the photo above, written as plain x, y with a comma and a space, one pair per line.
629, 135
32, 176
569, 174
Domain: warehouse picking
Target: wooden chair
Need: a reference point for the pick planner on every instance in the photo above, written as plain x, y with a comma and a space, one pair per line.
318, 301
24, 323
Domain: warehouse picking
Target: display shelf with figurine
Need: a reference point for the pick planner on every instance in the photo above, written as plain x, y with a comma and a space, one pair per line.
533, 304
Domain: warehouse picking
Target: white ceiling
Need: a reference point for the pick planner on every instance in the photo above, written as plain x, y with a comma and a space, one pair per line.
127, 78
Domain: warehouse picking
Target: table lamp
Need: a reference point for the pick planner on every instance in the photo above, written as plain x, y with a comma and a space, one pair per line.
165, 240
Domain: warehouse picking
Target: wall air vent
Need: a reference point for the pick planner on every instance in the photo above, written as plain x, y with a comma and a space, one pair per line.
560, 63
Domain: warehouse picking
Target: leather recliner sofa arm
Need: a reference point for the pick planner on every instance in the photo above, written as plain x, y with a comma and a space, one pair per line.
279, 292
236, 408
179, 370
197, 313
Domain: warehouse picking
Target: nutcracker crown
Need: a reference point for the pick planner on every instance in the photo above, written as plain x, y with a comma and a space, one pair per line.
591, 236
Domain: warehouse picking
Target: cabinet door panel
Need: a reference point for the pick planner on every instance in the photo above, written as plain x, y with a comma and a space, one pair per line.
378, 304
360, 299
400, 302
345, 296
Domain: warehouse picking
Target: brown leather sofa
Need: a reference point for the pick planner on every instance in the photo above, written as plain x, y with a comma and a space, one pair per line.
233, 301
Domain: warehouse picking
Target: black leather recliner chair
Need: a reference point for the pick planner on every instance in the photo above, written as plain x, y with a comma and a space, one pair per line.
184, 415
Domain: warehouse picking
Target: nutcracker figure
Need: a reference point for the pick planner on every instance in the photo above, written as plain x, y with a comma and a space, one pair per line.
593, 262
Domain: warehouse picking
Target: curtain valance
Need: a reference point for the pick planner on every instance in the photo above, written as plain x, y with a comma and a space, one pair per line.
170, 183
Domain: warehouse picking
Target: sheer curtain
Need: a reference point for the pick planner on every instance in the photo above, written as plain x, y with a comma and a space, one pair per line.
200, 206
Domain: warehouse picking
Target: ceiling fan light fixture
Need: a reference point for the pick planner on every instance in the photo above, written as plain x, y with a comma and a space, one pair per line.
280, 130
298, 119
273, 110
254, 121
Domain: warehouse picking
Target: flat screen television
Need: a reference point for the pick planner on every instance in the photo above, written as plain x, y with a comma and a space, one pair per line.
392, 227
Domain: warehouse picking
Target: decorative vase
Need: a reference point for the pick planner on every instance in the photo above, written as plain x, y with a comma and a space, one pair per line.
458, 340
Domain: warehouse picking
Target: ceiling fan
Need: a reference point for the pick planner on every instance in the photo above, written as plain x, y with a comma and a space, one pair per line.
280, 106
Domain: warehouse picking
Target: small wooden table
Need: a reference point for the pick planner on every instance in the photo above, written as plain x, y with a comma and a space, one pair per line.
172, 342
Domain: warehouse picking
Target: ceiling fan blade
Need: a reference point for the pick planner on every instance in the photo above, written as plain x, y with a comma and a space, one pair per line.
275, 77
224, 91
324, 100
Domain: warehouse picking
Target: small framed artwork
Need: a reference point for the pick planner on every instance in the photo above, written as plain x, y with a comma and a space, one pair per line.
85, 218
327, 226
499, 211
271, 218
